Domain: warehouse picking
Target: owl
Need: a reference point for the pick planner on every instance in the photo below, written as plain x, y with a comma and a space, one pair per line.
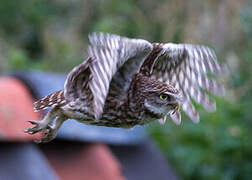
126, 82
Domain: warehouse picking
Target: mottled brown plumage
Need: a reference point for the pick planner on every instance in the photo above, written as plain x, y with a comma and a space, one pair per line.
55, 99
126, 82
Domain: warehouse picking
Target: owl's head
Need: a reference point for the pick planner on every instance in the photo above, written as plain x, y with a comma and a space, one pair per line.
162, 102
158, 98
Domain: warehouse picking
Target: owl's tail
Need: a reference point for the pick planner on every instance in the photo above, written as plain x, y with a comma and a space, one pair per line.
55, 99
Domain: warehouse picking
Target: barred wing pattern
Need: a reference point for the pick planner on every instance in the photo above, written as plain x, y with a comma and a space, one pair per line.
76, 86
114, 57
186, 67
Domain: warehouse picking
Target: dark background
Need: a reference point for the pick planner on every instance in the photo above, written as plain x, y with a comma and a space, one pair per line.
51, 35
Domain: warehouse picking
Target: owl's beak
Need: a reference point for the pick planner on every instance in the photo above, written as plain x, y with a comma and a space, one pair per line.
177, 108
176, 116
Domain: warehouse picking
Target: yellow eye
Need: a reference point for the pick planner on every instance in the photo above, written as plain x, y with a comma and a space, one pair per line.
163, 97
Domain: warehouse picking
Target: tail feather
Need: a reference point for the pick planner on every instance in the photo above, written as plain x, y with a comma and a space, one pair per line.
55, 99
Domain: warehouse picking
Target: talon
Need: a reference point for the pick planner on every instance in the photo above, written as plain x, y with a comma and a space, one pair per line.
38, 126
33, 122
48, 134
30, 131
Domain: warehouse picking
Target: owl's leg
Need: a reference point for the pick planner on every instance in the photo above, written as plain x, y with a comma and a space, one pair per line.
44, 123
51, 131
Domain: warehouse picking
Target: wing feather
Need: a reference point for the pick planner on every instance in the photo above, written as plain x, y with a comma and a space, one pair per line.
116, 59
55, 99
76, 84
187, 67
112, 62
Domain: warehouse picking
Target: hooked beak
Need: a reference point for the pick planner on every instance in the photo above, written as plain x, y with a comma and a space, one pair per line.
175, 116
177, 108
180, 101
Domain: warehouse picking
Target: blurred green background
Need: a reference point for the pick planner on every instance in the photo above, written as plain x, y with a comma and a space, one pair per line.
51, 35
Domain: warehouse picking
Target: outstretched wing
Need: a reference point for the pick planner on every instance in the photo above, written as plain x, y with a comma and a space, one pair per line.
76, 86
116, 59
187, 68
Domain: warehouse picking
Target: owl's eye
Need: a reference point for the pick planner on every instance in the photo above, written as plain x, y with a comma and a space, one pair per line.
164, 97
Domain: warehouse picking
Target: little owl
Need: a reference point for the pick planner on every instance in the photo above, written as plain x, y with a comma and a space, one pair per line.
126, 82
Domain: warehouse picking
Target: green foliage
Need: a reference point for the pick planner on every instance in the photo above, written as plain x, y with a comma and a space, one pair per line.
51, 35
218, 147
19, 60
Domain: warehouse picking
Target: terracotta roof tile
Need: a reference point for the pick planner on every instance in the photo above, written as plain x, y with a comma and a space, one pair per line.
16, 108
80, 161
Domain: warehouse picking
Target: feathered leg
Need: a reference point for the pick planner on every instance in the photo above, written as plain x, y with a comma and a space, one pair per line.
52, 129
54, 117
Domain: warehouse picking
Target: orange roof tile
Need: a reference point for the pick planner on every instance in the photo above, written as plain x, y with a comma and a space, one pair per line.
16, 108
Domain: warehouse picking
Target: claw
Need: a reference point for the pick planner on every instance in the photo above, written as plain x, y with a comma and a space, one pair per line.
33, 122
39, 126
48, 135
30, 131
48, 132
